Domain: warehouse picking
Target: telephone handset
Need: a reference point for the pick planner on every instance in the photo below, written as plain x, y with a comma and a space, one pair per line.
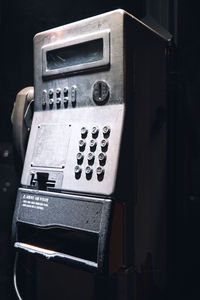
21, 119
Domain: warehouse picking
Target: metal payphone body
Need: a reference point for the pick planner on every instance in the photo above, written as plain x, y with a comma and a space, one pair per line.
98, 137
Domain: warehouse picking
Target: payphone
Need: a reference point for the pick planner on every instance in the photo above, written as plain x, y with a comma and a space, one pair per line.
98, 137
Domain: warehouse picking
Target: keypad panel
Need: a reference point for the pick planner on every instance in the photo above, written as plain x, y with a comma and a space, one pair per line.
92, 149
59, 98
75, 125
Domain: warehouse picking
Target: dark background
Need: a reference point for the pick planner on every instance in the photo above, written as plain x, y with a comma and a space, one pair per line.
19, 22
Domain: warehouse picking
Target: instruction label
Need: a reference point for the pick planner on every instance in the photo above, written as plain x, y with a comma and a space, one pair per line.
35, 201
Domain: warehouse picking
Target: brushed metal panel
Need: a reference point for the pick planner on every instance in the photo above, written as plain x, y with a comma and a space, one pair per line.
112, 22
104, 35
70, 122
51, 145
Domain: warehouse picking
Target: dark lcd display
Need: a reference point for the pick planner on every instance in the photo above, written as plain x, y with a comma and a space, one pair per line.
78, 54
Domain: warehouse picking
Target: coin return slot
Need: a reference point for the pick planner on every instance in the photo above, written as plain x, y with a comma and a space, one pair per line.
62, 240
41, 181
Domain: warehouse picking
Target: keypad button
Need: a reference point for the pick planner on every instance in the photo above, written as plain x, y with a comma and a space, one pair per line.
79, 158
65, 101
84, 132
58, 92
50, 103
65, 91
88, 171
95, 132
58, 102
102, 159
73, 95
100, 171
77, 171
106, 131
51, 93
104, 145
82, 145
44, 99
93, 145
44, 104
91, 158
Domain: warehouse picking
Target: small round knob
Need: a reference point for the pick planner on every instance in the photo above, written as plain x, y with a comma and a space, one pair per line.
102, 158
106, 131
58, 92
65, 91
51, 103
84, 132
65, 101
104, 145
77, 170
82, 145
93, 145
79, 157
91, 158
51, 93
44, 104
58, 102
88, 171
100, 171
95, 131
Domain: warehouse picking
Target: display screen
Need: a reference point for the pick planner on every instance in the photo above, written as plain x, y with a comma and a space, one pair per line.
78, 54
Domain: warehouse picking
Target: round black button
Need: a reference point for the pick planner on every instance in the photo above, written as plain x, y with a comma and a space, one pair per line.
104, 145
51, 103
88, 170
79, 157
65, 101
102, 159
91, 158
58, 92
44, 104
93, 145
84, 132
65, 91
82, 145
95, 131
58, 102
100, 171
106, 131
77, 170
51, 93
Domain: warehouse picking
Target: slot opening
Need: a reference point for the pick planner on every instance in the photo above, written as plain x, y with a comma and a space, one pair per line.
41, 181
76, 243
